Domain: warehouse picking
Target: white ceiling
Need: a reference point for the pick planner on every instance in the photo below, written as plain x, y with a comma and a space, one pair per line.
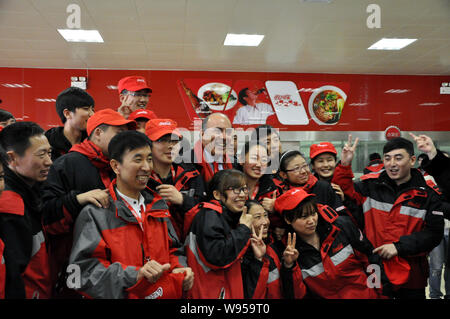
188, 35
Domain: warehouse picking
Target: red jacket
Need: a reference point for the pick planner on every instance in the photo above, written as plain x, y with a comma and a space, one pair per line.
25, 251
338, 269
410, 216
2, 271
110, 246
215, 246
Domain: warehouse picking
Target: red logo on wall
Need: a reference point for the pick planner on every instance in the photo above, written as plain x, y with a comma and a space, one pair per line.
392, 132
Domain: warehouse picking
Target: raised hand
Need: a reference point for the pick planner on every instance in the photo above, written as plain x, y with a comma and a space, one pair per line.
257, 243
268, 203
425, 145
290, 254
246, 219
348, 151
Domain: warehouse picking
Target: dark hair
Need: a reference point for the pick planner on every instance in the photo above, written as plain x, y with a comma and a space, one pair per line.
374, 156
306, 208
243, 94
263, 131
71, 99
126, 141
223, 180
250, 203
397, 143
286, 158
246, 148
3, 157
16, 137
5, 115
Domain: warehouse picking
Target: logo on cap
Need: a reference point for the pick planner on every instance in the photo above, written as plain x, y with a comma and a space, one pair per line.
164, 123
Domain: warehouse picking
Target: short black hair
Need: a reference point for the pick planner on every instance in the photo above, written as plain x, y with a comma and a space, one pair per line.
5, 115
306, 208
3, 157
250, 203
243, 94
374, 156
126, 141
71, 99
224, 179
286, 158
263, 131
398, 143
248, 145
16, 137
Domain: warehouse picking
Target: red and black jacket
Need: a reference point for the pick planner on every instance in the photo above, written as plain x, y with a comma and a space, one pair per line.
188, 181
2, 271
376, 166
83, 169
409, 215
215, 245
110, 246
338, 269
25, 253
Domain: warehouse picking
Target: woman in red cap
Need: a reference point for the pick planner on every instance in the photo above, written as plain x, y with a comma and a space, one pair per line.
332, 256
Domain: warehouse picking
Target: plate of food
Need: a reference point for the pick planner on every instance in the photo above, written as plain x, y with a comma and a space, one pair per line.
216, 96
326, 104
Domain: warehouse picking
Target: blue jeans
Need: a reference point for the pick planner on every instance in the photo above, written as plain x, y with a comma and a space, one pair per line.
438, 257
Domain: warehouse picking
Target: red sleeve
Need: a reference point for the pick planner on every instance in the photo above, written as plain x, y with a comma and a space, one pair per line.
343, 176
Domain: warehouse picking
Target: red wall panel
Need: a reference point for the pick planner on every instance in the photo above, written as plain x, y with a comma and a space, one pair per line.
364, 110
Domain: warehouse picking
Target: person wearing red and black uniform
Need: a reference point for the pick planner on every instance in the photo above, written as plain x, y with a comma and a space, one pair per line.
210, 154
3, 159
134, 94
180, 184
74, 107
25, 251
123, 251
375, 165
403, 216
332, 254
323, 157
218, 236
76, 179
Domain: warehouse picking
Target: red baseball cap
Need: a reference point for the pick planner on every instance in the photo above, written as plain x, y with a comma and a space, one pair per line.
291, 199
142, 113
109, 117
323, 147
133, 83
157, 128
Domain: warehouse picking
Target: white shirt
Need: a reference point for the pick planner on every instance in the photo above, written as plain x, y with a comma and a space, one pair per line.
210, 159
257, 114
138, 205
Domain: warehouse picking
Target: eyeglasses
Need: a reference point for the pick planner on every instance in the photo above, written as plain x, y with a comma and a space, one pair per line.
138, 94
238, 190
297, 169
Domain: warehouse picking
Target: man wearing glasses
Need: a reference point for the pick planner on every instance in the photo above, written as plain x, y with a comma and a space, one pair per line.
134, 94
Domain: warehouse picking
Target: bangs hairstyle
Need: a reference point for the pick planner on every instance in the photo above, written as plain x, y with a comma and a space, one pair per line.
246, 148
262, 132
398, 143
126, 141
250, 203
225, 179
287, 157
16, 137
71, 99
306, 208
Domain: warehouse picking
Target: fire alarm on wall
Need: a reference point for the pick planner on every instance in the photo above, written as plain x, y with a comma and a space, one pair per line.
79, 82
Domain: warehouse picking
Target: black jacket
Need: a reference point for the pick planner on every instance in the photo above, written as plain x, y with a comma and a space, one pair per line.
60, 144
21, 232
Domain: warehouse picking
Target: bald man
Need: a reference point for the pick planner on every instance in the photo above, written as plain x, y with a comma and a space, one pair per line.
210, 153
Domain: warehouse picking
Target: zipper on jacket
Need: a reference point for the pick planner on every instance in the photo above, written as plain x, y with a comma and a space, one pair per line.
144, 259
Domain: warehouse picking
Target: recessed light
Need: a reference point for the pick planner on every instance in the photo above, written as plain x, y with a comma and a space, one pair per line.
392, 113
77, 35
391, 44
250, 40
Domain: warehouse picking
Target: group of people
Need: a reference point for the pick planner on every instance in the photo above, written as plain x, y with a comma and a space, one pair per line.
115, 204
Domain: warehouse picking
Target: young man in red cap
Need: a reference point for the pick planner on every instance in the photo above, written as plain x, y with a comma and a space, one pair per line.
403, 216
180, 184
76, 179
141, 117
134, 94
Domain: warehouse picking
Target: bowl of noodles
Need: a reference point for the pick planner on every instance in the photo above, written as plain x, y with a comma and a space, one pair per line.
326, 104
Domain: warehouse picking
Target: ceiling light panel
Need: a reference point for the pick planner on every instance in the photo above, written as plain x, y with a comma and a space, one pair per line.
250, 40
78, 35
